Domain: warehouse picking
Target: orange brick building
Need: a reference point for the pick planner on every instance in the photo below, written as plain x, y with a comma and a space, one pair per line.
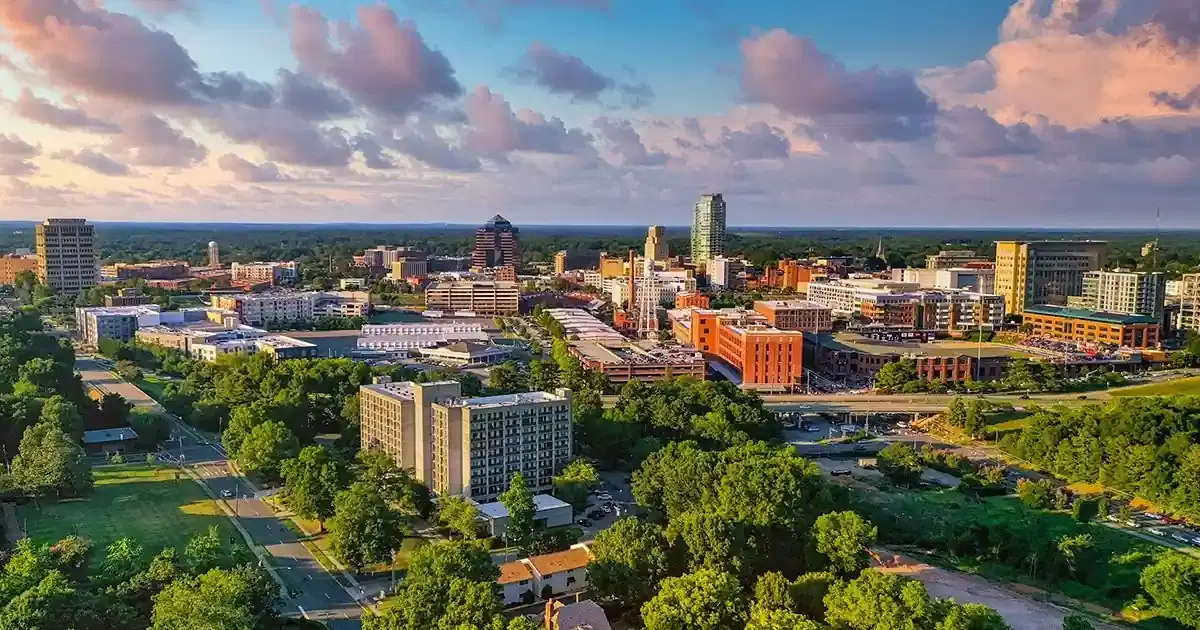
793, 275
686, 299
766, 357
796, 315
10, 266
1082, 325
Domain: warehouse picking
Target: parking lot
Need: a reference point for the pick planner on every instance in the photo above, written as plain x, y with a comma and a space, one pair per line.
614, 492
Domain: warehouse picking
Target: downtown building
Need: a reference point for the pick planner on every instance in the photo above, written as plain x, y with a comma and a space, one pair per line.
67, 258
1131, 292
752, 353
497, 243
1045, 272
468, 447
481, 297
271, 273
708, 228
13, 266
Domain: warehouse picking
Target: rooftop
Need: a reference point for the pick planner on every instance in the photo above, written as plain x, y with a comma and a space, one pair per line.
621, 352
506, 400
584, 615
1090, 315
541, 503
859, 343
574, 558
792, 304
106, 436
513, 572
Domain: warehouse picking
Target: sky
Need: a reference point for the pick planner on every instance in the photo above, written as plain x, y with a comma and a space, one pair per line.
858, 113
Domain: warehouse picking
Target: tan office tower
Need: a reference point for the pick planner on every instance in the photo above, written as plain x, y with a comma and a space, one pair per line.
708, 228
67, 260
560, 263
468, 446
1044, 272
656, 243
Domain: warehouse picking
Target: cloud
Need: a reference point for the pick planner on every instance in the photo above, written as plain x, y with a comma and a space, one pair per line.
759, 141
42, 111
1080, 62
497, 130
246, 171
383, 63
95, 161
1178, 102
90, 50
284, 137
561, 73
14, 155
627, 143
151, 141
309, 97
165, 6
372, 153
971, 132
425, 145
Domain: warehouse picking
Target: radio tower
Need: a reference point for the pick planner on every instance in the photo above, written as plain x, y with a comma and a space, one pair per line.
649, 294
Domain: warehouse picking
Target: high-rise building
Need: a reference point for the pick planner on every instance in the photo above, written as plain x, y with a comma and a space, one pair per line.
1189, 302
214, 254
468, 446
67, 256
708, 228
560, 263
497, 243
1044, 272
656, 243
723, 272
1127, 292
384, 256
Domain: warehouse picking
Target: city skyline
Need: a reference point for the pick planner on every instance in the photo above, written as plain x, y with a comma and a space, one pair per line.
1039, 113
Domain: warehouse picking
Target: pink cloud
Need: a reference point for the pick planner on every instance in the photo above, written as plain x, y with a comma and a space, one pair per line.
247, 171
496, 129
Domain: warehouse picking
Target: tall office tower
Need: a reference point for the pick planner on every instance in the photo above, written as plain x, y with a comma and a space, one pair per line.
67, 259
468, 446
560, 263
497, 243
1044, 272
1132, 292
708, 228
1189, 302
214, 254
656, 243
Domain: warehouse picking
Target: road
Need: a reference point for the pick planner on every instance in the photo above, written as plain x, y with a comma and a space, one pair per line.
322, 596
904, 403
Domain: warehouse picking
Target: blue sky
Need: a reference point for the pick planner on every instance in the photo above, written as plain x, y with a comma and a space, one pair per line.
851, 112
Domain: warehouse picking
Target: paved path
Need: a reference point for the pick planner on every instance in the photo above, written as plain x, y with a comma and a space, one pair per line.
321, 596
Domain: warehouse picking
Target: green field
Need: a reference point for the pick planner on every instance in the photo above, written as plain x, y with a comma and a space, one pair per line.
1178, 387
152, 385
1006, 422
149, 505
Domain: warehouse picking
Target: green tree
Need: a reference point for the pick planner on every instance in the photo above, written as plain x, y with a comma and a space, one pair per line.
311, 480
894, 376
204, 551
114, 410
707, 599
459, 515
1174, 583
49, 461
971, 617
1035, 494
53, 603
265, 449
1077, 622
575, 482
236, 599
543, 376
956, 412
628, 561
901, 464
843, 538
506, 378
447, 585
64, 414
1085, 509
772, 590
762, 618
379, 470
122, 559
364, 529
881, 601
518, 501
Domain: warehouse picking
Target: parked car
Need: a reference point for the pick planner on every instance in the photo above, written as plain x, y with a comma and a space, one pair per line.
605, 497
838, 472
227, 493
1157, 531
584, 522
1181, 538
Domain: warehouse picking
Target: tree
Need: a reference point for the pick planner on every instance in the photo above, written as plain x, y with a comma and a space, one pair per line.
707, 599
956, 412
378, 469
1085, 509
1035, 494
971, 617
1076, 622
364, 528
506, 378
880, 601
844, 537
48, 460
772, 590
543, 375
265, 449
713, 542
122, 559
762, 618
53, 603
575, 482
204, 551
459, 514
64, 414
128, 370
311, 480
518, 501
236, 599
1174, 583
628, 561
901, 464
448, 585
892, 377
114, 410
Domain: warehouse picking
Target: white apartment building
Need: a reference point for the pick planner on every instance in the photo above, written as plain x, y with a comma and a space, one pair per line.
592, 278
114, 322
342, 303
960, 311
422, 335
492, 297
708, 228
268, 308
468, 446
67, 258
1133, 292
278, 346
667, 285
974, 280
723, 272
264, 272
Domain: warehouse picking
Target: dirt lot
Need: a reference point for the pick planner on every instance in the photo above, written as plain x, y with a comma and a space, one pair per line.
1022, 611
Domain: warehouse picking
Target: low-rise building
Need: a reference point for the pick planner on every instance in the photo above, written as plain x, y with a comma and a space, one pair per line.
342, 304
271, 273
852, 356
552, 574
547, 512
760, 356
796, 314
262, 309
277, 346
485, 298
353, 284
412, 336
691, 299
949, 258
119, 323
13, 266
623, 361
109, 441
581, 325
153, 270
127, 297
1084, 325
465, 354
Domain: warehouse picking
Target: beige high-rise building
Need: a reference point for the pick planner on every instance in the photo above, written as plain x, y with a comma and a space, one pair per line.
67, 259
708, 228
482, 297
468, 446
656, 243
1044, 272
560, 263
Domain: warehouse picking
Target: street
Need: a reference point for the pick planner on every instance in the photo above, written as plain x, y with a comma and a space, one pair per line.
317, 594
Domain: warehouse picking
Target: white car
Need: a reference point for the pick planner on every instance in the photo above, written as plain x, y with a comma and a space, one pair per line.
227, 493
604, 496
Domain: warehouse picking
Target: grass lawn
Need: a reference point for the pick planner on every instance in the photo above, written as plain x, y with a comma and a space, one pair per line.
146, 504
152, 385
1007, 422
1182, 386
